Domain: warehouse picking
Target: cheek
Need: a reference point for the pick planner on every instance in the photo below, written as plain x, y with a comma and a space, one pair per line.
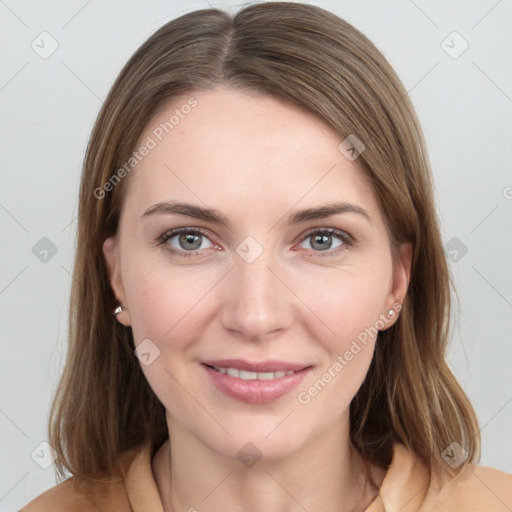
166, 306
350, 312
347, 303
354, 309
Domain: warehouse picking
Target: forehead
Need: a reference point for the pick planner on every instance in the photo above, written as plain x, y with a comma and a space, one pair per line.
225, 146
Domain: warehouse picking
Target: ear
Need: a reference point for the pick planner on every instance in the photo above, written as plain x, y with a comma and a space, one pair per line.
111, 254
401, 277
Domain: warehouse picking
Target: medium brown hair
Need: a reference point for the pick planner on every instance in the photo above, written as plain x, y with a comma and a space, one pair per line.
308, 57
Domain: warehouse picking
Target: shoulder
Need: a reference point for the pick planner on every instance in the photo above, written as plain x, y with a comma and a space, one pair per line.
410, 486
87, 495
475, 488
81, 497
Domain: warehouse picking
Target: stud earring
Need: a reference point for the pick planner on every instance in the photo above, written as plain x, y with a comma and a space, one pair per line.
119, 309
391, 312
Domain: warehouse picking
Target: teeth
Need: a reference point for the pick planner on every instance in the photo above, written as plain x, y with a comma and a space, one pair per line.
246, 375
233, 372
266, 375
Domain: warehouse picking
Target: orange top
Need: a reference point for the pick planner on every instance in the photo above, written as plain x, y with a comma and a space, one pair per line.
405, 488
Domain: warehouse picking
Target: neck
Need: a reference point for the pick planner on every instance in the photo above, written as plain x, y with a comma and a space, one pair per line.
327, 474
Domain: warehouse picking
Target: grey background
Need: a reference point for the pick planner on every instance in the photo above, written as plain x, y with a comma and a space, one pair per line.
48, 107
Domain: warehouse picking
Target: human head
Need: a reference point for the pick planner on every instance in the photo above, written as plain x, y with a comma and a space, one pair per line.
311, 59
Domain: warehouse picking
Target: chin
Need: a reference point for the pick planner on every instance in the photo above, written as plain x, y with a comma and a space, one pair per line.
248, 446
265, 438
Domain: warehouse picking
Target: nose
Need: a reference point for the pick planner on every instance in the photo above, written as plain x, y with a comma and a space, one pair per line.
257, 304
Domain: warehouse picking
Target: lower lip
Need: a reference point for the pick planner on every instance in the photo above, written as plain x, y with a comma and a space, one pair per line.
255, 391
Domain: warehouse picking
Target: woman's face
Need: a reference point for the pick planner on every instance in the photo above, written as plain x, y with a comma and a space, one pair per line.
261, 278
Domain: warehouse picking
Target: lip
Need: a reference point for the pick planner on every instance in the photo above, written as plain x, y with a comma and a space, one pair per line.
256, 391
261, 366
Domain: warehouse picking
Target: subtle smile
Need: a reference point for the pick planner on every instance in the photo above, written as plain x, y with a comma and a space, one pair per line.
255, 383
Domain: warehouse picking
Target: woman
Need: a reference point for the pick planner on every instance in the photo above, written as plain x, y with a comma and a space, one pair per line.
261, 300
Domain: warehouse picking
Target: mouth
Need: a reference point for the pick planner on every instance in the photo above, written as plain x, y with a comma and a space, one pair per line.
248, 375
255, 383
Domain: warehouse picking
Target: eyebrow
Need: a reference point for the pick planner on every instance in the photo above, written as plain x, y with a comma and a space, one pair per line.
216, 217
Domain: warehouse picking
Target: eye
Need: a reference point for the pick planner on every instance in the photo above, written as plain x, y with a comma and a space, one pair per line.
329, 240
188, 242
185, 242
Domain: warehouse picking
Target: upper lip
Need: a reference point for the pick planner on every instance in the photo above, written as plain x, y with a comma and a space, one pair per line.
257, 366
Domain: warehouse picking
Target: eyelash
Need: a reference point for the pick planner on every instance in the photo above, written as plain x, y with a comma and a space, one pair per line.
348, 241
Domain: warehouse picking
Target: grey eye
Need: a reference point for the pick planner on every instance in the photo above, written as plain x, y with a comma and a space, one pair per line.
322, 241
189, 241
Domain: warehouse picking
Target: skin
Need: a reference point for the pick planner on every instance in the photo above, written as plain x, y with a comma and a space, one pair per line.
255, 159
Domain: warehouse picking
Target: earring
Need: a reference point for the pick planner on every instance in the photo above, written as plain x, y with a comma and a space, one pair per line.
391, 312
119, 309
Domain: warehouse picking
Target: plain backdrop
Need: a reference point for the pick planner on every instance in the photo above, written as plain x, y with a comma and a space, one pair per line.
460, 84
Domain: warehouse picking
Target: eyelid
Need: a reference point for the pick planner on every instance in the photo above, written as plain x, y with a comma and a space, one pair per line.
170, 233
343, 235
